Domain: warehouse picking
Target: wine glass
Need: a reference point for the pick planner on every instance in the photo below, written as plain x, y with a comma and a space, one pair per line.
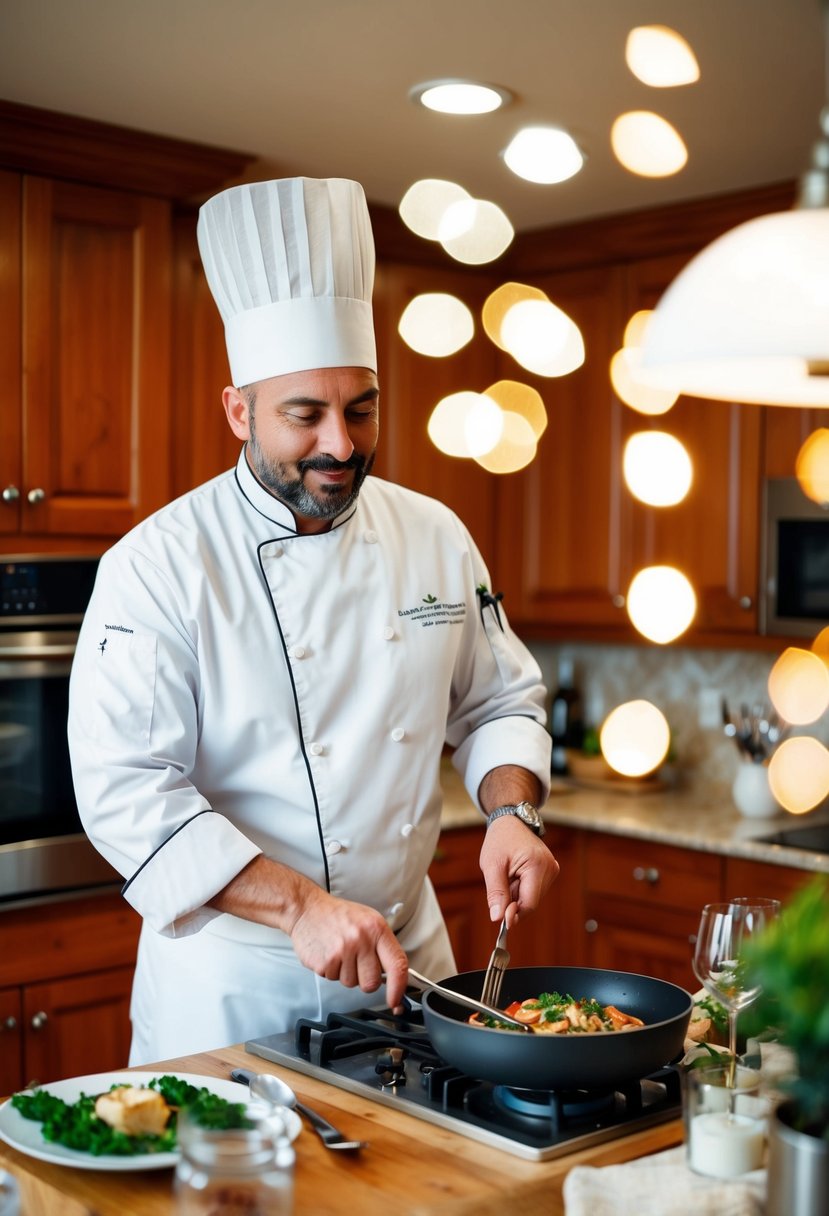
724, 929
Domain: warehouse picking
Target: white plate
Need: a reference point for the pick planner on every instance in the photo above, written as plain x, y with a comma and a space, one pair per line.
25, 1134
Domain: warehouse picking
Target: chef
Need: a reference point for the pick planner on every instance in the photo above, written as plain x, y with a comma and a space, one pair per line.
270, 667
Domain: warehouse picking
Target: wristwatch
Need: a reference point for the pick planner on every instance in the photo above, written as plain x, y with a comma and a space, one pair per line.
525, 811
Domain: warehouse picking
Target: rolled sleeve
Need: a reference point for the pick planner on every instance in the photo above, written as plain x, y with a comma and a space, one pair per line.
518, 741
172, 887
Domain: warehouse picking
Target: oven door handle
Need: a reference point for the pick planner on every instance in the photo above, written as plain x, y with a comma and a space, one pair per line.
62, 650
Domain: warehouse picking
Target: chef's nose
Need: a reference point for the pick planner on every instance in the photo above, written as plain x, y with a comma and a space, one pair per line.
334, 438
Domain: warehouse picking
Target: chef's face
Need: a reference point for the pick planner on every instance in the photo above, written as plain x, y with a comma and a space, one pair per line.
311, 437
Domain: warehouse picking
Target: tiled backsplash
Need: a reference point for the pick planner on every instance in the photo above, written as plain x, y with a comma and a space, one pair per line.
673, 678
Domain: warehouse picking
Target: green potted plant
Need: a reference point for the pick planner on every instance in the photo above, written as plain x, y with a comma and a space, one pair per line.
790, 963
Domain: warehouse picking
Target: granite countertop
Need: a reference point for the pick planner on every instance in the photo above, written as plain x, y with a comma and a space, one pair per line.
670, 816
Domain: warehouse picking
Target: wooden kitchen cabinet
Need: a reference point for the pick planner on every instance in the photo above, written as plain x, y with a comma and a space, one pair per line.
87, 424
563, 522
642, 905
713, 534
65, 980
745, 877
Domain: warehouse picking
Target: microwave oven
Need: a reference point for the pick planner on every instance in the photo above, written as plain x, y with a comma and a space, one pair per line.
794, 586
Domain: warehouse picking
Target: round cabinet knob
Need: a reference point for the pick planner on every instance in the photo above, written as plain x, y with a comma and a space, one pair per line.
9, 1023
692, 939
35, 496
746, 602
648, 874
618, 601
11, 494
39, 1020
590, 926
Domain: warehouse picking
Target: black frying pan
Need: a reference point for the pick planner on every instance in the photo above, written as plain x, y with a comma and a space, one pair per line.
571, 1061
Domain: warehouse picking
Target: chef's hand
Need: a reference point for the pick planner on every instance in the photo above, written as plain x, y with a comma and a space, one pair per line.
517, 867
352, 943
336, 938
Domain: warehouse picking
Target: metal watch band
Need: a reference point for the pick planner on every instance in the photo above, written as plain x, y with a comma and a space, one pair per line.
525, 811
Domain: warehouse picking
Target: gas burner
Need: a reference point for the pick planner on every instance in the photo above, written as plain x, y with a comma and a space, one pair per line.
388, 1058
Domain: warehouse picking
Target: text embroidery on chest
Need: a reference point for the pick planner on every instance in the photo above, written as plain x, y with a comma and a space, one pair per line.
433, 611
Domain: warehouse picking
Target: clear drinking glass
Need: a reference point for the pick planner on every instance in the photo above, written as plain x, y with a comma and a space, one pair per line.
235, 1170
724, 930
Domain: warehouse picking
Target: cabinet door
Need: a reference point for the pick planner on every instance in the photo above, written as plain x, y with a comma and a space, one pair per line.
411, 385
713, 535
78, 1025
744, 877
11, 1041
785, 431
96, 326
563, 522
10, 414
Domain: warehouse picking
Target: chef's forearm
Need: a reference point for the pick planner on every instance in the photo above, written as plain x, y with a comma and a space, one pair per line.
508, 784
269, 893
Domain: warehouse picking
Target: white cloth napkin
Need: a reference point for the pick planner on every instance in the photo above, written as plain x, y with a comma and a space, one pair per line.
660, 1185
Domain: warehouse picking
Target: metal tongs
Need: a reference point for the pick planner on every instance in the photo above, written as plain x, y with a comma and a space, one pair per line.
459, 998
498, 963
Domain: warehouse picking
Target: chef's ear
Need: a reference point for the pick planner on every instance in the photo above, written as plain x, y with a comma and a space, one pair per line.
238, 411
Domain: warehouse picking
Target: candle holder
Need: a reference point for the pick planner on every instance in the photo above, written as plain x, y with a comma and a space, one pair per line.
725, 1123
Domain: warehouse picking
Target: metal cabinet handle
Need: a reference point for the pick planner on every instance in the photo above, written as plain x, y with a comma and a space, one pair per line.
9, 1023
648, 874
692, 939
591, 925
11, 494
37, 495
39, 1020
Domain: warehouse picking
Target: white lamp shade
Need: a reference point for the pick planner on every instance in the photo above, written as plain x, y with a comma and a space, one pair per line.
436, 324
748, 314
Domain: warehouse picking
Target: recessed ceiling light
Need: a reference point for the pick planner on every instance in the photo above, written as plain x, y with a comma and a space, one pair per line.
460, 96
544, 154
660, 57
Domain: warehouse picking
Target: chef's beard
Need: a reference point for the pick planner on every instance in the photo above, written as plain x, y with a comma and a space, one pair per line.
330, 501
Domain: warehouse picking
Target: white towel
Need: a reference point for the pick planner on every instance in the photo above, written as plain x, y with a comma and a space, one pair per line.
660, 1185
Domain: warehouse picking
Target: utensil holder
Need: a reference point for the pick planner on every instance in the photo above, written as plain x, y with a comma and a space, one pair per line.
751, 792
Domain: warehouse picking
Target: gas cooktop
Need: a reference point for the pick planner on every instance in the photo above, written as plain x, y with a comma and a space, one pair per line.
389, 1059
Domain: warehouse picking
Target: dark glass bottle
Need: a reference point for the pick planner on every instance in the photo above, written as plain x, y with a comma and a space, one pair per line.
566, 725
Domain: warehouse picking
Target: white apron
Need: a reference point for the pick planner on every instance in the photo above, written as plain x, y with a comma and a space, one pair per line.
239, 688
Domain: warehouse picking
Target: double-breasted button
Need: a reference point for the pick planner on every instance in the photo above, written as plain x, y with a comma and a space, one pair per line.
332, 847
407, 829
316, 749
398, 734
299, 652
395, 909
388, 633
370, 536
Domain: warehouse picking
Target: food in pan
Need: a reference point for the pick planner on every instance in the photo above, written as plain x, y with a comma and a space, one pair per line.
553, 1013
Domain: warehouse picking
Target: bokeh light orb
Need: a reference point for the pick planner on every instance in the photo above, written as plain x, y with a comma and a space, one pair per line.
465, 424
437, 324
647, 144
635, 738
812, 467
660, 57
542, 338
517, 398
500, 301
475, 231
799, 686
631, 385
425, 202
514, 450
799, 774
657, 468
661, 603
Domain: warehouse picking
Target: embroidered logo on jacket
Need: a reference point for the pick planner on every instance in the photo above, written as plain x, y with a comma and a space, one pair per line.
432, 611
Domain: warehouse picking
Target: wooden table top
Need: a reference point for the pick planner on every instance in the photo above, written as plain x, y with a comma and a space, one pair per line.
409, 1166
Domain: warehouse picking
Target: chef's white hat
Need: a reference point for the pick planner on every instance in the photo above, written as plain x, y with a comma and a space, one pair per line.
290, 264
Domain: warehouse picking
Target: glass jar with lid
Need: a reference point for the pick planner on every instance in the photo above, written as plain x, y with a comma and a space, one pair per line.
245, 1171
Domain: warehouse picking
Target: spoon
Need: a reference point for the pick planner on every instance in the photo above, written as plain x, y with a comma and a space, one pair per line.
276, 1092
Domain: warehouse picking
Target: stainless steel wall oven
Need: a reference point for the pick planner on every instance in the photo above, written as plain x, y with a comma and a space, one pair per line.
42, 845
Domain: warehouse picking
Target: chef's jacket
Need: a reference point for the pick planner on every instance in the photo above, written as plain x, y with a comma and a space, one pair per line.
240, 688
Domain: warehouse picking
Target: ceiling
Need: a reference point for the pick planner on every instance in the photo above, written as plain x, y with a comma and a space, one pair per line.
320, 87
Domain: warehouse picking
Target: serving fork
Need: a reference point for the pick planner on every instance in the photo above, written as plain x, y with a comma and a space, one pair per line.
498, 963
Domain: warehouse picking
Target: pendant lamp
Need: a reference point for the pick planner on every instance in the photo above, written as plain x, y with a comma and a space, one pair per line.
748, 317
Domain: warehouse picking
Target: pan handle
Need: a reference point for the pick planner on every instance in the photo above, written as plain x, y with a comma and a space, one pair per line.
460, 999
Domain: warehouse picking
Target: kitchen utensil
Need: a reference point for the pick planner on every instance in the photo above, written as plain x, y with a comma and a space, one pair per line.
271, 1089
462, 998
544, 1061
498, 963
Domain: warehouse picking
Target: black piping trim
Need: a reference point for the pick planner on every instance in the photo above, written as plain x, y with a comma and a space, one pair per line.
207, 811
296, 708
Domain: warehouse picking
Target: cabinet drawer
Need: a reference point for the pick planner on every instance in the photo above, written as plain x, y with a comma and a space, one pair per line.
655, 874
744, 877
456, 857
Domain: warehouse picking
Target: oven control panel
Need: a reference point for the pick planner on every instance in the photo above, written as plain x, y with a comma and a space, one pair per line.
50, 587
